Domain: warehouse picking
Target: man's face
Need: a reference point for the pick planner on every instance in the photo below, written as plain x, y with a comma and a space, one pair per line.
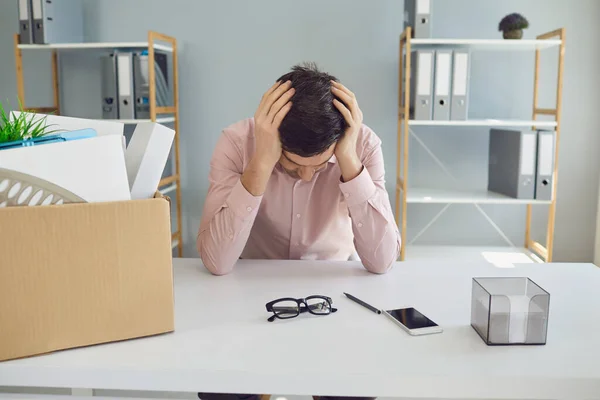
305, 167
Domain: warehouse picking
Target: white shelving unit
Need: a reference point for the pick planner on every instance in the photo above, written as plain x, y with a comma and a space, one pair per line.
532, 251
443, 196
487, 44
95, 46
485, 122
163, 120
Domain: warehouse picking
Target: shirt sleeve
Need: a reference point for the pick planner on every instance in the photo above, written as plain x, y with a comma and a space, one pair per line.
376, 235
229, 210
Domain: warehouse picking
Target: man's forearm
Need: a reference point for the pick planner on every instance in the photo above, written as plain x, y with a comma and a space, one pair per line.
350, 166
256, 176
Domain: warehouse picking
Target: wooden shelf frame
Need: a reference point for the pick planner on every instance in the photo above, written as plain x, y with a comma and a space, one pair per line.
555, 38
152, 46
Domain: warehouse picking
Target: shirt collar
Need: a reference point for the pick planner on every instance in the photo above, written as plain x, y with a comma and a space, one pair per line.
332, 160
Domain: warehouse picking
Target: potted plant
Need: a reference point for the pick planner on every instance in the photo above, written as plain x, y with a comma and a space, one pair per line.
512, 26
21, 127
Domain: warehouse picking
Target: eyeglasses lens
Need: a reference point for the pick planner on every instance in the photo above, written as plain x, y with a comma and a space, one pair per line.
286, 309
318, 305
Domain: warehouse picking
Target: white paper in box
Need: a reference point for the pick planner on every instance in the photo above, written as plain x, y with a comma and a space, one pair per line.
59, 123
93, 169
146, 157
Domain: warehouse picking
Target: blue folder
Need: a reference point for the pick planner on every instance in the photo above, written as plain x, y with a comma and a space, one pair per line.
60, 137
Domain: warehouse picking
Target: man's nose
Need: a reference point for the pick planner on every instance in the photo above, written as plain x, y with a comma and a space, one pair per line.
306, 174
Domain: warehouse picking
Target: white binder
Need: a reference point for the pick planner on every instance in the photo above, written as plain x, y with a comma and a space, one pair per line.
57, 21
125, 84
459, 102
443, 66
512, 163
25, 22
421, 103
545, 165
146, 157
417, 14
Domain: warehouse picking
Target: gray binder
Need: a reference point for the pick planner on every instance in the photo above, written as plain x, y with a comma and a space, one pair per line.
459, 101
421, 85
417, 14
125, 85
512, 163
442, 86
25, 22
545, 165
110, 101
57, 21
142, 86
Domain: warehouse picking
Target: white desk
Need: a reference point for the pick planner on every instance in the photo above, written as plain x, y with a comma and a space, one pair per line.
223, 341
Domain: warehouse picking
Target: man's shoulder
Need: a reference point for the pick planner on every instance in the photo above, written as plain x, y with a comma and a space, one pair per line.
240, 133
367, 138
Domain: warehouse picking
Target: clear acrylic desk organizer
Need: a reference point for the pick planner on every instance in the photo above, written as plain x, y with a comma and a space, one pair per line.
509, 311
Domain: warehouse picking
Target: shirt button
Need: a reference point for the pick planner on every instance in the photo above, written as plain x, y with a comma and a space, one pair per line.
346, 195
360, 224
249, 209
298, 215
231, 236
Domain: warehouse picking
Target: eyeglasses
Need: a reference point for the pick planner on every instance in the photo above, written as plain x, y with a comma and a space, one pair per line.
286, 308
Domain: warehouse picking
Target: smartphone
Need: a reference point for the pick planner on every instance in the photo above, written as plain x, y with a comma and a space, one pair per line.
412, 321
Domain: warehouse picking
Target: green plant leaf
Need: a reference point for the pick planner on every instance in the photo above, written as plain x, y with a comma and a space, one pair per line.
22, 127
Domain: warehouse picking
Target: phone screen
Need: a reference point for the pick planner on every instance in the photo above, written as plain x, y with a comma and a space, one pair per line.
411, 318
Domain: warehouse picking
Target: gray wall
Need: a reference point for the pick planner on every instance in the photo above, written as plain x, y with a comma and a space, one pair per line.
231, 51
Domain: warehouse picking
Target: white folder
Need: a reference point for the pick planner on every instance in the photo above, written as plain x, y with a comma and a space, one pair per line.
92, 169
146, 157
25, 22
125, 84
545, 165
459, 102
443, 66
62, 124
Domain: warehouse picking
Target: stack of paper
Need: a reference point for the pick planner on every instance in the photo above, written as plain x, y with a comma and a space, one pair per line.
92, 169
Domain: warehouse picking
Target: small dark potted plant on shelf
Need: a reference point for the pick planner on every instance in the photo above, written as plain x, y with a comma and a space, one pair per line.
512, 26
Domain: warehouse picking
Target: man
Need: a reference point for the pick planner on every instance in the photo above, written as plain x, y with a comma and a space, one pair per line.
303, 179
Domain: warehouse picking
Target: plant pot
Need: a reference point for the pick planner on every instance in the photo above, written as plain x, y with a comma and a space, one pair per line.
514, 34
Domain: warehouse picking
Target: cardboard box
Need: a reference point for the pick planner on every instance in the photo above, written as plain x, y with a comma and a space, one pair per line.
80, 274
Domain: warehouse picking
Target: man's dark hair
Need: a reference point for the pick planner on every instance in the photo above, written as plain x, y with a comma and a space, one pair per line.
313, 123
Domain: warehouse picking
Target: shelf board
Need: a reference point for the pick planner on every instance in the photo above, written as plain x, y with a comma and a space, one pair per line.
168, 189
163, 120
94, 46
485, 44
485, 122
501, 257
444, 196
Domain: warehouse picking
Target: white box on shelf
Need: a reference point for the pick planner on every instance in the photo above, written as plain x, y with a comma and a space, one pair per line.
91, 169
146, 157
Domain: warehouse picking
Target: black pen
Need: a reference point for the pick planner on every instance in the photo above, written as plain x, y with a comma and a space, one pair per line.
362, 303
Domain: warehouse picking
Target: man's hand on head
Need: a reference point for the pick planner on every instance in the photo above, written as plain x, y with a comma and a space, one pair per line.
345, 149
273, 107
